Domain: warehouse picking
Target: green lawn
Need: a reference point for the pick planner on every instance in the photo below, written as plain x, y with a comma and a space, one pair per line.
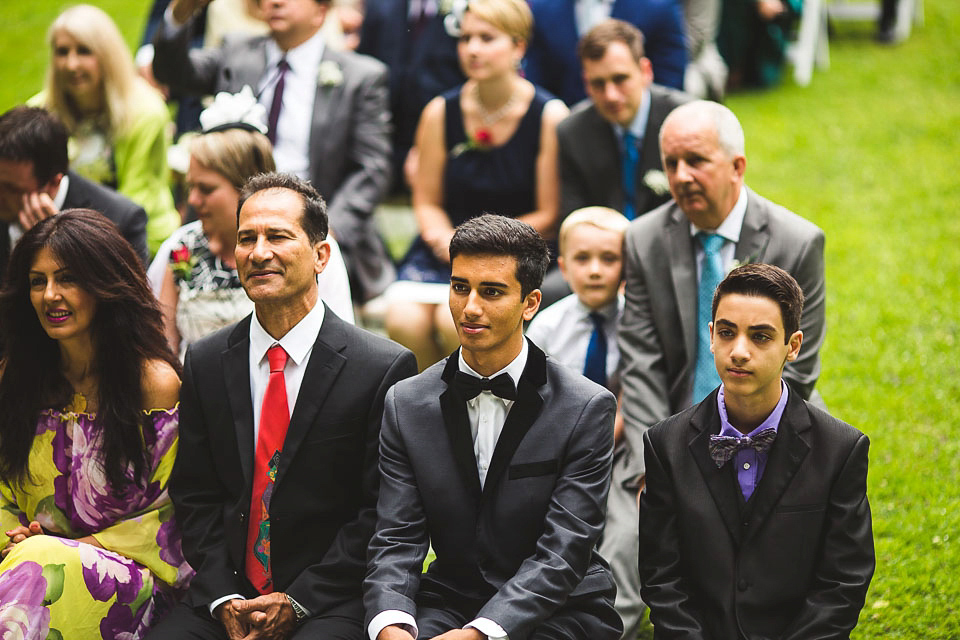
870, 151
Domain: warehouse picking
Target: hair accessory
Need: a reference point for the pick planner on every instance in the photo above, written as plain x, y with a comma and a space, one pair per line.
454, 10
234, 111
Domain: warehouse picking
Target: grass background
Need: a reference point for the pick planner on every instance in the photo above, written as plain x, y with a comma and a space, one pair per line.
870, 151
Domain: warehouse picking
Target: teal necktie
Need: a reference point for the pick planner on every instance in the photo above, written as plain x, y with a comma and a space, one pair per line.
705, 378
630, 158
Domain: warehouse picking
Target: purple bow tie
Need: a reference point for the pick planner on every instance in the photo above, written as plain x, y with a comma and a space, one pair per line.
722, 448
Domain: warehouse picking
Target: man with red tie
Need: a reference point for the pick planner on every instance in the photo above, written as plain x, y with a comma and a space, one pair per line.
275, 484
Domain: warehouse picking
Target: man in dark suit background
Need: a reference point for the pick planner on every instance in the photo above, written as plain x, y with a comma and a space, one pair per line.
558, 25
755, 521
499, 457
330, 123
36, 183
278, 533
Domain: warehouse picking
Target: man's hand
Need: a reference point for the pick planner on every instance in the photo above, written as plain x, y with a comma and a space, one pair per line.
461, 634
770, 9
268, 616
37, 206
183, 10
394, 632
19, 534
231, 619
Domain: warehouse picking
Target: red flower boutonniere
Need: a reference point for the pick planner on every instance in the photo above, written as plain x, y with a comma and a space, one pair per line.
481, 141
182, 262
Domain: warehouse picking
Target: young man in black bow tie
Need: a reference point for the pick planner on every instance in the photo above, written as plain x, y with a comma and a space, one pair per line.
755, 521
499, 457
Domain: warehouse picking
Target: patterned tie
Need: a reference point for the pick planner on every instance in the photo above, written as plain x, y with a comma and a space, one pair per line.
274, 420
630, 158
705, 378
723, 448
470, 386
277, 102
595, 366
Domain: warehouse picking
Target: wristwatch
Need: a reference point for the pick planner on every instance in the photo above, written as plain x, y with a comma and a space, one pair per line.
298, 611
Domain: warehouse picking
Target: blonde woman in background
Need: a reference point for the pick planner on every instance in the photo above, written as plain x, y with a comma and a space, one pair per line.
119, 125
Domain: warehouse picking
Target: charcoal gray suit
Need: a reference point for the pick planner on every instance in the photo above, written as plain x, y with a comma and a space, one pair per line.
519, 551
349, 140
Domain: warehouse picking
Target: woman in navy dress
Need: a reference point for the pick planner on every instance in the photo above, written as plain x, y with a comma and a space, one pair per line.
489, 146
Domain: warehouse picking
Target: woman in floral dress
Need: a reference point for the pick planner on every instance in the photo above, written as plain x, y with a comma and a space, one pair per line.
88, 437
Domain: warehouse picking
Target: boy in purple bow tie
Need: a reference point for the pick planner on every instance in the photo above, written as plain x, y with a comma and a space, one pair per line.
755, 521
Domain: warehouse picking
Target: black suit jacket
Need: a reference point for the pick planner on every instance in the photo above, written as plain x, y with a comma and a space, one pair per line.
523, 545
590, 162
129, 217
792, 563
323, 507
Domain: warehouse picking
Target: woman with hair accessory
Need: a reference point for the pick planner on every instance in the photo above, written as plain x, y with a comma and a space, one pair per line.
119, 124
89, 390
195, 273
488, 146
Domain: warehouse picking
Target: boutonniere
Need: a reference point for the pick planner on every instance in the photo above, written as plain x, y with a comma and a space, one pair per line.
329, 74
182, 262
657, 182
481, 141
452, 12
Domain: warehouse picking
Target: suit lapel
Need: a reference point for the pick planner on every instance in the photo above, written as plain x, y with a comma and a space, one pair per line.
706, 420
457, 424
603, 150
326, 361
754, 234
522, 415
786, 455
236, 372
650, 153
325, 102
683, 273
247, 68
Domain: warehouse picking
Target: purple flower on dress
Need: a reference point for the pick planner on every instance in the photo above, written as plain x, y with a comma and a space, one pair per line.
106, 573
168, 539
22, 614
122, 624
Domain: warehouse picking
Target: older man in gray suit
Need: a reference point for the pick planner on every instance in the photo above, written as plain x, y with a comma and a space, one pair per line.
329, 114
500, 457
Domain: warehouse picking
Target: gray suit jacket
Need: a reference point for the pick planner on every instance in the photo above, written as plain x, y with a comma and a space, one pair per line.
524, 544
590, 165
658, 332
349, 138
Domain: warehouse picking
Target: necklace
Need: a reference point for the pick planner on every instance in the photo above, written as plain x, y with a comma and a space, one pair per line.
490, 117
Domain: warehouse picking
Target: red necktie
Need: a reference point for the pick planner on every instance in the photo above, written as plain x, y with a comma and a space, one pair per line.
274, 420
277, 102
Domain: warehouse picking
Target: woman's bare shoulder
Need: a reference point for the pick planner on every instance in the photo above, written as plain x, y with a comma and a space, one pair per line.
160, 385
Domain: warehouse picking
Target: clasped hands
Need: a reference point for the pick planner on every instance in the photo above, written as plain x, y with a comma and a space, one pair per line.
394, 632
19, 534
267, 617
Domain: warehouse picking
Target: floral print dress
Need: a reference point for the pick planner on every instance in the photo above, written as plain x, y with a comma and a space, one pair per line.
52, 586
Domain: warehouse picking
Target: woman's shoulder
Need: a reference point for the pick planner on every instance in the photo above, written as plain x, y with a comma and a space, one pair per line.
160, 385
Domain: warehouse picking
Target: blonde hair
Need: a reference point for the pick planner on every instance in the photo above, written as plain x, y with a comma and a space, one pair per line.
121, 86
600, 217
513, 17
236, 154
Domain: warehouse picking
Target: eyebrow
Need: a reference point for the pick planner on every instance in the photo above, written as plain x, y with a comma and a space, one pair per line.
754, 327
485, 283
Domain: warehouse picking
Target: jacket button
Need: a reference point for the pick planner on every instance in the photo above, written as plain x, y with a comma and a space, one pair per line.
742, 585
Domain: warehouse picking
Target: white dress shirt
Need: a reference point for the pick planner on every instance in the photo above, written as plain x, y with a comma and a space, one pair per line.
564, 328
292, 149
486, 414
729, 229
298, 343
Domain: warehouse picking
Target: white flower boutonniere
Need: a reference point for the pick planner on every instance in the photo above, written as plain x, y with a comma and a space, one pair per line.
657, 182
329, 74
452, 12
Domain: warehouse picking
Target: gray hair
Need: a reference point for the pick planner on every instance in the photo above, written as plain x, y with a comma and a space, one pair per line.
725, 123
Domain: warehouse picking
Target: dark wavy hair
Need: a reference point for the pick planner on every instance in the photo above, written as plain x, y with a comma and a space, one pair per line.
127, 330
490, 234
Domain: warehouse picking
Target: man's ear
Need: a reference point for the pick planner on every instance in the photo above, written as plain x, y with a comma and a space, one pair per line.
710, 326
794, 343
531, 303
322, 258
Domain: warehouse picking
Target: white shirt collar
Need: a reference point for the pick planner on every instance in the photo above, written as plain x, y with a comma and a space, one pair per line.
732, 224
608, 311
638, 126
514, 369
303, 58
297, 342
61, 196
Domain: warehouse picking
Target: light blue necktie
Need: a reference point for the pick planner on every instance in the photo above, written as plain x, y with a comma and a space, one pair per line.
705, 378
630, 158
595, 366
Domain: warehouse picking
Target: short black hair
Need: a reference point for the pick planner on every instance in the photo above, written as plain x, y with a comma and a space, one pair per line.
495, 235
765, 281
32, 134
314, 217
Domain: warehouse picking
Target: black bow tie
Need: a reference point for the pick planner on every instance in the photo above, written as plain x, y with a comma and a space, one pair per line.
722, 448
470, 386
